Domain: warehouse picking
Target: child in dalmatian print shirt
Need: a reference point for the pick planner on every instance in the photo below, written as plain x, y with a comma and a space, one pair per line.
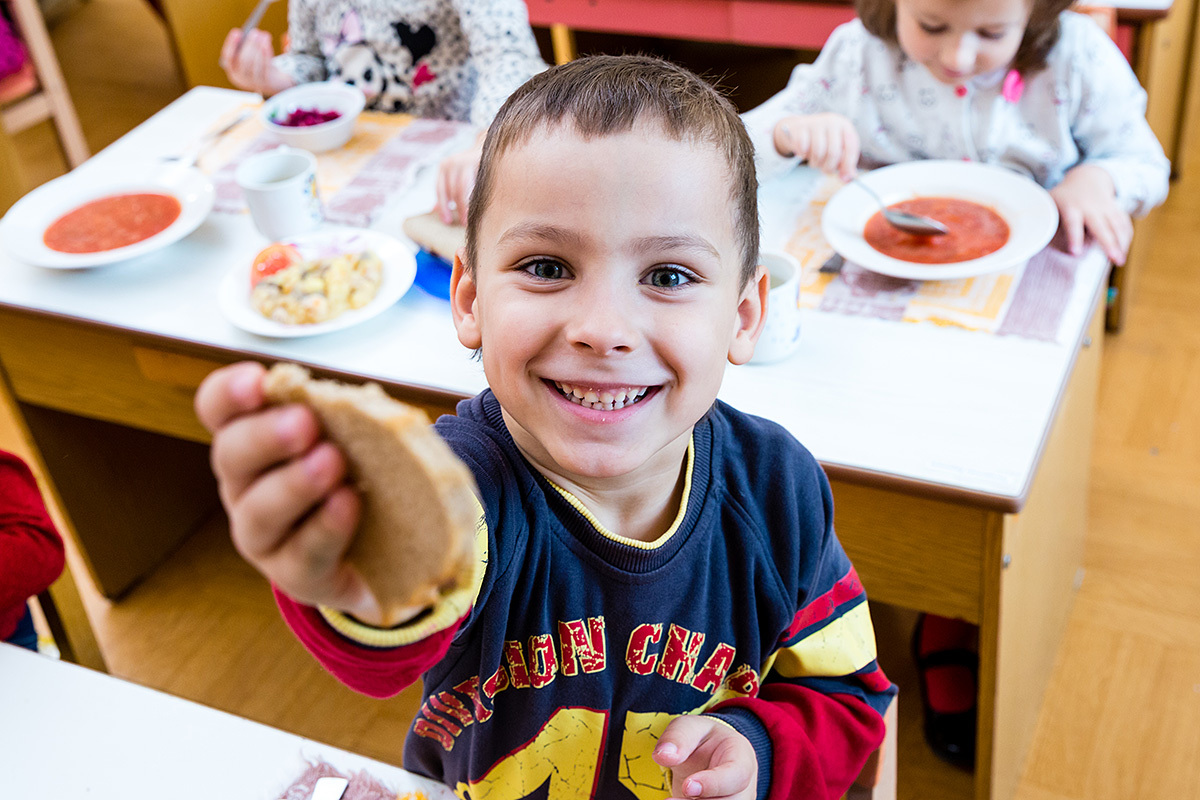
1020, 83
446, 59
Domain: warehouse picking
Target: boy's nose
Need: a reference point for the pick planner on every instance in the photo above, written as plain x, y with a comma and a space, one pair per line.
602, 320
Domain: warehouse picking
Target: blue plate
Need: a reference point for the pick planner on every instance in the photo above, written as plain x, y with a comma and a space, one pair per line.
433, 274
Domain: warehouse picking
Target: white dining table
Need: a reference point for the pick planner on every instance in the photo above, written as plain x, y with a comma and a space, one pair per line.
958, 459
71, 732
932, 405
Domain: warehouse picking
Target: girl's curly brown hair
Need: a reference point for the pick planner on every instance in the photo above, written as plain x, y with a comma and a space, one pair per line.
1041, 33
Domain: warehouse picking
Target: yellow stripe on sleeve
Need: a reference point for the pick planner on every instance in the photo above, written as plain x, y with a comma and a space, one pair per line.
842, 647
451, 608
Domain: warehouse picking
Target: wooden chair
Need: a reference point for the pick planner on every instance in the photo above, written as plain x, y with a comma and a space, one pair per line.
61, 604
39, 92
69, 625
877, 781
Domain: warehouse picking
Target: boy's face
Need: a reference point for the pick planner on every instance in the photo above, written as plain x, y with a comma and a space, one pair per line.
606, 299
959, 39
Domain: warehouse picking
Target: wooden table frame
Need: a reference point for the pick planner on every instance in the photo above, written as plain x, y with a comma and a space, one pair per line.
111, 412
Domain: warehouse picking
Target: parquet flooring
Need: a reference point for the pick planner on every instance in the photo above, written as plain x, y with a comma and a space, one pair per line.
1121, 719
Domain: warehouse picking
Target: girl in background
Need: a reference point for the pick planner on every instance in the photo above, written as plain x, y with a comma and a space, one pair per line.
1023, 84
444, 59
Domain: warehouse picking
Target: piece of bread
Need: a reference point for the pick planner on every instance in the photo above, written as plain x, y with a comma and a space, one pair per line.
415, 540
430, 233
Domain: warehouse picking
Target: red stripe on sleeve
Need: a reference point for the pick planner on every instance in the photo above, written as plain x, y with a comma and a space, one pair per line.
370, 671
875, 680
847, 588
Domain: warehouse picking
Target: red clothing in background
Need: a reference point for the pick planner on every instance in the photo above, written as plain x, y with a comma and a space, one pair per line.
31, 551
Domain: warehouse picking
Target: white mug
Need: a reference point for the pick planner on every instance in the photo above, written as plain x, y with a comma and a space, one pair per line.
781, 332
280, 186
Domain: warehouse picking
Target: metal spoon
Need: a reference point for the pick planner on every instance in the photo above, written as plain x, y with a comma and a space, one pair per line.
909, 223
255, 17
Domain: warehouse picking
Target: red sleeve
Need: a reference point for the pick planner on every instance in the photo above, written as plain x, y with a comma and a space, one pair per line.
31, 551
377, 672
819, 742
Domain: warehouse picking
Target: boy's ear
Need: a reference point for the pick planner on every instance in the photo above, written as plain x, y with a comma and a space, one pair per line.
751, 315
462, 303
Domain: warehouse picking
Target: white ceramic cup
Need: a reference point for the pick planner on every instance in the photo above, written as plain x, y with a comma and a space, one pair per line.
280, 186
781, 332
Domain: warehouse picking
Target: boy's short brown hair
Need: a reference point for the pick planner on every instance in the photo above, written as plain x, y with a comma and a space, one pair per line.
1041, 33
603, 95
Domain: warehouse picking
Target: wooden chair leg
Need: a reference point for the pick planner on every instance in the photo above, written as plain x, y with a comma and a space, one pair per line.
54, 92
69, 623
562, 39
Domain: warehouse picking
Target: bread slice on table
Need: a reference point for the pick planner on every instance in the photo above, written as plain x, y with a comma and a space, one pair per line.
415, 540
430, 233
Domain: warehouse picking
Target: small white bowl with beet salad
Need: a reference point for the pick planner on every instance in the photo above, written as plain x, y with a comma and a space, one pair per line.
314, 116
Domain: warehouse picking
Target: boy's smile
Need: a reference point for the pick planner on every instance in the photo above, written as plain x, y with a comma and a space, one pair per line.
607, 300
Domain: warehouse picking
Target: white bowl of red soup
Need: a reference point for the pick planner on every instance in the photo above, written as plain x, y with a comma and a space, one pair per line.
996, 219
314, 116
94, 217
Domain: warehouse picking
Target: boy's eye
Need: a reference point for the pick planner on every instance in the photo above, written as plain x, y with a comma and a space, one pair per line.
934, 29
667, 277
545, 269
993, 35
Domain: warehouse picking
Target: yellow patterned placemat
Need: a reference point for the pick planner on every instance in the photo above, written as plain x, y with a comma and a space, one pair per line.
1027, 299
355, 180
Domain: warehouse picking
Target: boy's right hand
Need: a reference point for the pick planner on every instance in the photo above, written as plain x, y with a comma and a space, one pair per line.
251, 67
826, 141
291, 514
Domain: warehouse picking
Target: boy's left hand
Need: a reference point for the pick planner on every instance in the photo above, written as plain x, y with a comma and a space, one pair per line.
707, 758
455, 181
1087, 201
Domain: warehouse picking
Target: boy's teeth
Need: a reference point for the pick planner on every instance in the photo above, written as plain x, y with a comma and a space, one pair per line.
606, 400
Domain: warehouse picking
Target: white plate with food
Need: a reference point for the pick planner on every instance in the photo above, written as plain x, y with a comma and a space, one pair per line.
317, 282
997, 219
104, 215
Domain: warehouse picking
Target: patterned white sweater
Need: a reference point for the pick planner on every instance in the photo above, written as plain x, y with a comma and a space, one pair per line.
447, 59
1085, 106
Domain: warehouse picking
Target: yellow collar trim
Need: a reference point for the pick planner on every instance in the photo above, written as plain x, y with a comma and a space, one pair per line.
660, 541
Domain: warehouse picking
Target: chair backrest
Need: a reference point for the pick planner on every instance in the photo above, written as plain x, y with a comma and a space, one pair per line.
877, 781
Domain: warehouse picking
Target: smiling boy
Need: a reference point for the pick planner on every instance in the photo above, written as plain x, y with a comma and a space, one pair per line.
665, 609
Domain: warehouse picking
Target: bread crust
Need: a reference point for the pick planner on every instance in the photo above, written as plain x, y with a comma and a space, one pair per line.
415, 540
429, 232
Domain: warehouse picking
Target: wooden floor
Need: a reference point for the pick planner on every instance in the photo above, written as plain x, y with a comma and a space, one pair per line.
1121, 720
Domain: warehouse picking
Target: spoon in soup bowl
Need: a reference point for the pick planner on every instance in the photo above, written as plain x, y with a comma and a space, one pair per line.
902, 220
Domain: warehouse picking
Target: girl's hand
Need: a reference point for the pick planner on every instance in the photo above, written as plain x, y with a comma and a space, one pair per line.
1087, 202
291, 514
455, 181
827, 141
707, 758
251, 68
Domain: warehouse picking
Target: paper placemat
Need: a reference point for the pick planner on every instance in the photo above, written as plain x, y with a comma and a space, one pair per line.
1027, 300
362, 785
355, 181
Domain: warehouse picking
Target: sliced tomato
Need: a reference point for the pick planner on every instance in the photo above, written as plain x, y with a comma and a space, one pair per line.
272, 259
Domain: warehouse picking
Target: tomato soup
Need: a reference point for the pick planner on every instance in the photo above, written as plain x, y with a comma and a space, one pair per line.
111, 222
975, 231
